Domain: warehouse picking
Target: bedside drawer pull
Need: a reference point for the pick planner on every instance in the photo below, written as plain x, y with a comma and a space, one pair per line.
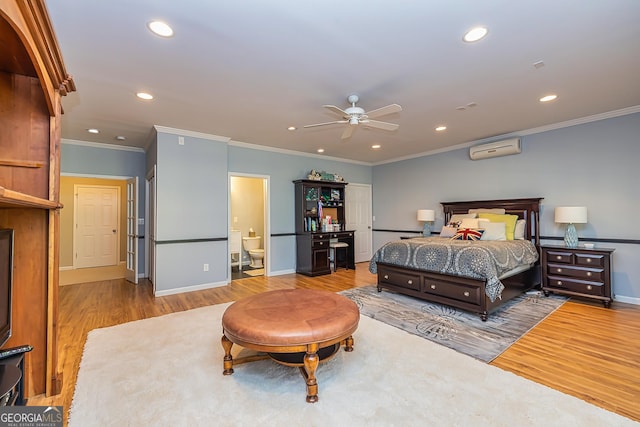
433, 286
588, 274
386, 277
589, 287
559, 282
559, 257
466, 293
409, 282
588, 259
321, 243
558, 270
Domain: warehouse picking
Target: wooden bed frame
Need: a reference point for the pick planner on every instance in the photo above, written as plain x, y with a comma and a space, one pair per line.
464, 292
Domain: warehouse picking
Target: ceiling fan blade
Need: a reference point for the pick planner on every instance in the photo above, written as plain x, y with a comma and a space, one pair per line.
348, 131
327, 123
379, 125
336, 110
393, 108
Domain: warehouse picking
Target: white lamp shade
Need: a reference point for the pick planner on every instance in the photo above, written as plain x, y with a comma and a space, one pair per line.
426, 215
571, 215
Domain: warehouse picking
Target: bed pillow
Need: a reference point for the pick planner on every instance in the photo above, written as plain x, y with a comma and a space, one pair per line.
469, 223
456, 219
494, 230
509, 220
468, 234
448, 231
518, 233
498, 211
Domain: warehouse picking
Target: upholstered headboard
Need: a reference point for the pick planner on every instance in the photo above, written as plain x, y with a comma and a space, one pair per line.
527, 209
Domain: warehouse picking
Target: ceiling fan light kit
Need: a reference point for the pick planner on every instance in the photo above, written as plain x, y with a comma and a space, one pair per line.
354, 116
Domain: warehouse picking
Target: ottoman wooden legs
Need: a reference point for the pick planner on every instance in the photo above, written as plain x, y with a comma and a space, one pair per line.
308, 367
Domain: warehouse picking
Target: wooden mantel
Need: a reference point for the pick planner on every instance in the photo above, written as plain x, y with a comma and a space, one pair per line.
33, 79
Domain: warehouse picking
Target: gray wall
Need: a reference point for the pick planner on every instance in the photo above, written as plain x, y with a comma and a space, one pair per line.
191, 213
593, 165
94, 160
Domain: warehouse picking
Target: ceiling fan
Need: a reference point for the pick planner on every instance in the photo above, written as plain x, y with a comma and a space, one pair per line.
354, 116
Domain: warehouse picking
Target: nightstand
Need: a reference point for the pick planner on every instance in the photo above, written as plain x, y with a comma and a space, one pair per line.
579, 272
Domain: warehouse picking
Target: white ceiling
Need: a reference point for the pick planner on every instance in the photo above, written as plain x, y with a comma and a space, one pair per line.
248, 69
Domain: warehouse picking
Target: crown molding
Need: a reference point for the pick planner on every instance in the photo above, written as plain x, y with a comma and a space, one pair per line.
101, 145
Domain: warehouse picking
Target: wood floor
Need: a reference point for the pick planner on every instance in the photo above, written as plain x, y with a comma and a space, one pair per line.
582, 349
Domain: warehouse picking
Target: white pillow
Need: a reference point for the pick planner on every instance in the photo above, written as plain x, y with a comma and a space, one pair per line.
448, 231
518, 233
498, 211
457, 218
494, 231
469, 223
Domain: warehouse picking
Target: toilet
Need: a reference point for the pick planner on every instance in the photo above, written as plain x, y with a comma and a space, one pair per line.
252, 245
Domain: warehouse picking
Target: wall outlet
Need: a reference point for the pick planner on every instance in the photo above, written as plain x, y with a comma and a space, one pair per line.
205, 267
181, 140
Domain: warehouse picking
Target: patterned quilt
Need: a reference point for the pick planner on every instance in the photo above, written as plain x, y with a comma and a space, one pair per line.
476, 259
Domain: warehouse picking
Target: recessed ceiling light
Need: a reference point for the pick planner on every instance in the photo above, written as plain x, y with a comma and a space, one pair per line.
441, 128
144, 95
291, 128
92, 130
160, 28
475, 34
320, 150
548, 98
376, 146
120, 138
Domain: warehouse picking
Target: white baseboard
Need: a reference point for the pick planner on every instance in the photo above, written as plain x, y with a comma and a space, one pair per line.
628, 300
201, 287
281, 272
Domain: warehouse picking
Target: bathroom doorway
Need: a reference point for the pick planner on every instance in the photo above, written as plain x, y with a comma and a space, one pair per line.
249, 234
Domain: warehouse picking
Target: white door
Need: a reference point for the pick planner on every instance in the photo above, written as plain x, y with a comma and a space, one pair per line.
132, 230
96, 226
358, 217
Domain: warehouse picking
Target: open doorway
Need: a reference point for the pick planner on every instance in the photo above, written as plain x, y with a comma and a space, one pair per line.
249, 233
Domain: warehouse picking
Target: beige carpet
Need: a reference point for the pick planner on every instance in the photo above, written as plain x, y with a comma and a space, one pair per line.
167, 371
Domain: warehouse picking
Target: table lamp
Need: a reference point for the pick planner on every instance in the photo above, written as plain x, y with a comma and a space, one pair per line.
571, 215
427, 216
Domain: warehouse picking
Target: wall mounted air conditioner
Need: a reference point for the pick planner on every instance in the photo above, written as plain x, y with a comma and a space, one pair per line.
495, 149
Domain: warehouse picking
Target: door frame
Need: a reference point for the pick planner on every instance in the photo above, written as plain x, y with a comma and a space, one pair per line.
132, 247
369, 223
266, 193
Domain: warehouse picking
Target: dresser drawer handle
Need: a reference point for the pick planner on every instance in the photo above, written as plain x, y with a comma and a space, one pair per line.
559, 257
588, 259
588, 274
558, 270
321, 243
559, 282
433, 286
409, 282
466, 293
386, 277
589, 287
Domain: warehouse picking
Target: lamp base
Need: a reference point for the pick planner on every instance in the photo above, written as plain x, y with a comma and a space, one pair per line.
426, 230
571, 236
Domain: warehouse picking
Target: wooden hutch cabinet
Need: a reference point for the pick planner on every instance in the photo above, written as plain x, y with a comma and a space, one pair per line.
32, 81
315, 200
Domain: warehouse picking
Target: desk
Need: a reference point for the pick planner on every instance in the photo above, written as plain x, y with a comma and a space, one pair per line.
312, 251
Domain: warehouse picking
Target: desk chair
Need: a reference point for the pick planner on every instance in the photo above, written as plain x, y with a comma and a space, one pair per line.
335, 249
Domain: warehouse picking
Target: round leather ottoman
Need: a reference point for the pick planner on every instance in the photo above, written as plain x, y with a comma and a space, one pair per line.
295, 327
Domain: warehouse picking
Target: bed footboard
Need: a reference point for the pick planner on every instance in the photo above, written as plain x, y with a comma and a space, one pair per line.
460, 292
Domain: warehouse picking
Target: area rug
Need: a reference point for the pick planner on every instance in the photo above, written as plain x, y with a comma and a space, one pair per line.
167, 371
460, 330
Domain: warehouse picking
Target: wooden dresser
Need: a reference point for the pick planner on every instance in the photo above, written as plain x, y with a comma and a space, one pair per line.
579, 272
32, 81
